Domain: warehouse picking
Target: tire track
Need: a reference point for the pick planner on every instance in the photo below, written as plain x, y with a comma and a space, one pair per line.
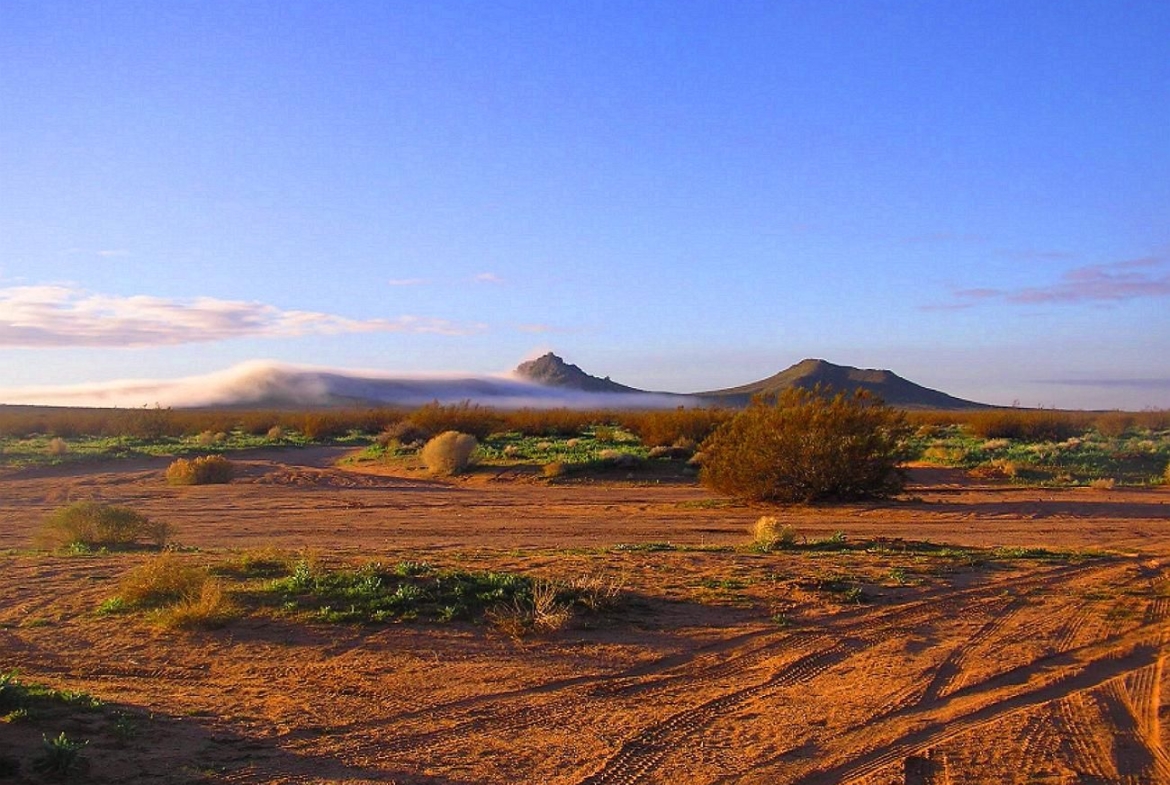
643, 752
865, 628
951, 668
1054, 680
1078, 733
504, 715
649, 746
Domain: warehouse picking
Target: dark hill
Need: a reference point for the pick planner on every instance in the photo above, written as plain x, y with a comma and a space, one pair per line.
552, 371
892, 389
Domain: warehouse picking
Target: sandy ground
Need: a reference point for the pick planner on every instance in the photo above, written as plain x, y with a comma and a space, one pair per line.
723, 666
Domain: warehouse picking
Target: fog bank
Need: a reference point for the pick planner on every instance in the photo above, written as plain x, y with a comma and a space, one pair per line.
263, 383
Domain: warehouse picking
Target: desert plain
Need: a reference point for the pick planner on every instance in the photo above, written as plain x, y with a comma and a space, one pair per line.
969, 631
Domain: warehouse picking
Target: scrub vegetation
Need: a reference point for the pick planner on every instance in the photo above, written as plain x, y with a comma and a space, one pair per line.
1020, 445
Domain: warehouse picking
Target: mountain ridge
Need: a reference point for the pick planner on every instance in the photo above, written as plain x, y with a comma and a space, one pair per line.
889, 386
553, 371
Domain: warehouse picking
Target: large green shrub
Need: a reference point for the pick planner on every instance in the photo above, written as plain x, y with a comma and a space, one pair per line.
807, 446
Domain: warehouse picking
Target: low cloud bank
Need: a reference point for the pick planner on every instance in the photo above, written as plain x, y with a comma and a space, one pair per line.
262, 383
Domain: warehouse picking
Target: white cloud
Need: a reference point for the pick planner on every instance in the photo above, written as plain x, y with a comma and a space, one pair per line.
58, 315
488, 278
407, 281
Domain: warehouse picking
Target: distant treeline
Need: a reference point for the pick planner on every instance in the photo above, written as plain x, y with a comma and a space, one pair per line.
654, 427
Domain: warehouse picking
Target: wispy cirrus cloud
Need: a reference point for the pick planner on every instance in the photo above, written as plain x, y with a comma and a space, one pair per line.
488, 278
59, 316
408, 281
1096, 283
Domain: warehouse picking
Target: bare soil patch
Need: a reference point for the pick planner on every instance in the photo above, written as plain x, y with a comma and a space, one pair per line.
895, 663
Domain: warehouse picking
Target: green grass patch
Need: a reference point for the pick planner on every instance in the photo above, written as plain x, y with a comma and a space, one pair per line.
377, 593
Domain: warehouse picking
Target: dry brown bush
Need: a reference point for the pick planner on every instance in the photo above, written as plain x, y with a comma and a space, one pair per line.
1029, 425
770, 534
470, 418
665, 428
162, 580
1114, 423
449, 452
204, 470
404, 432
208, 607
542, 612
553, 422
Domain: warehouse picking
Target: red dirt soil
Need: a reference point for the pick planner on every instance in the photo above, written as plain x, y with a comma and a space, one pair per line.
724, 665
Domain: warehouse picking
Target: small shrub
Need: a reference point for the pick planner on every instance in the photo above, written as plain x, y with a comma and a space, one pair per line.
60, 756
466, 417
539, 611
57, 447
945, 455
204, 470
208, 438
616, 459
12, 692
597, 593
1007, 468
449, 453
769, 534
553, 469
606, 434
807, 446
403, 432
1114, 424
208, 608
95, 525
275, 433
1102, 484
160, 581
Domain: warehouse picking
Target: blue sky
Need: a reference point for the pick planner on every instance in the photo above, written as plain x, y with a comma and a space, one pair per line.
680, 195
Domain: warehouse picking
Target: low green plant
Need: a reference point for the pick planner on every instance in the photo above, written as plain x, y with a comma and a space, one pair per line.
95, 525
126, 727
377, 593
60, 756
17, 698
12, 693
